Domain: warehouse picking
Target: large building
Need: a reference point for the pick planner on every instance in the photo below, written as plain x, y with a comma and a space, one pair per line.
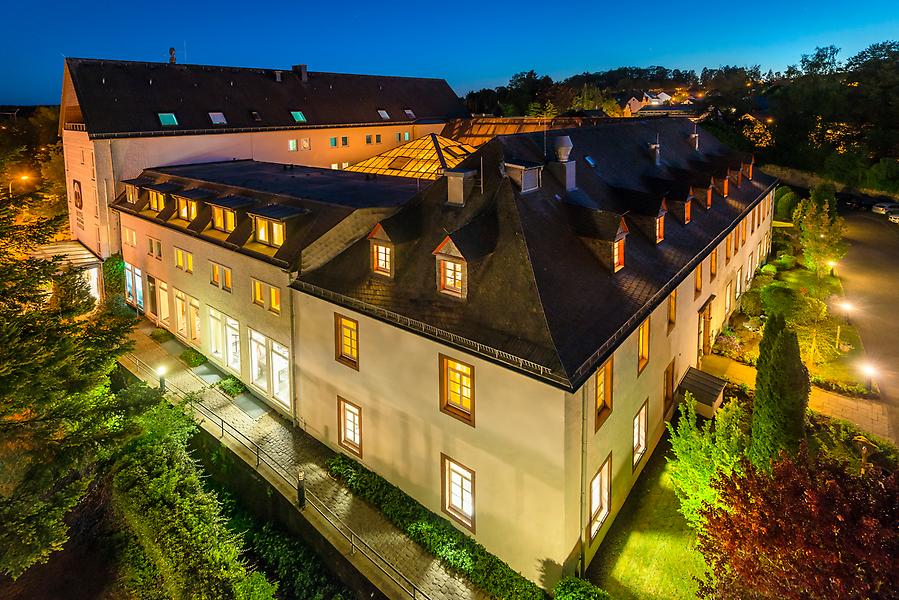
119, 117
503, 341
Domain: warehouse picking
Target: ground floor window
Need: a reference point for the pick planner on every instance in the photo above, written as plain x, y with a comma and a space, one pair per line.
216, 334
349, 417
152, 296
458, 491
600, 496
193, 319
232, 343
181, 313
134, 286
163, 301
280, 374
258, 360
640, 423
270, 367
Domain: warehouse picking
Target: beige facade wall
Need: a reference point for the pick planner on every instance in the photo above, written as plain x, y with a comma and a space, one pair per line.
124, 158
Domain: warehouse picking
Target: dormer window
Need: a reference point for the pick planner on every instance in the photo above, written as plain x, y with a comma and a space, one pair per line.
254, 115
687, 207
167, 119
618, 255
409, 113
187, 209
382, 258
268, 232
157, 201
708, 197
383, 114
223, 219
131, 193
660, 229
218, 118
452, 277
298, 116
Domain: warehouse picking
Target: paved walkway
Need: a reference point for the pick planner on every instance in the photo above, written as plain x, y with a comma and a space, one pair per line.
295, 450
868, 414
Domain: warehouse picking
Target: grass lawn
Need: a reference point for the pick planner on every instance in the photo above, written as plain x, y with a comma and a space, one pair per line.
649, 552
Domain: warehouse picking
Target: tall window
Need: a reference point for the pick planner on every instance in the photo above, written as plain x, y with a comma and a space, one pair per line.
739, 282
267, 296
640, 423
697, 279
660, 228
600, 496
643, 346
603, 396
274, 300
346, 341
163, 301
727, 243
184, 260
258, 360
187, 209
382, 259
223, 219
193, 320
713, 264
457, 389
451, 277
280, 373
258, 293
349, 416
458, 491
232, 343
220, 276
181, 313
727, 298
669, 385
672, 310
157, 201
618, 255
216, 334
268, 232
687, 211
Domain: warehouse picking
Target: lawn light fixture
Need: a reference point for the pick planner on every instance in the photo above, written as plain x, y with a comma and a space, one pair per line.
160, 372
869, 371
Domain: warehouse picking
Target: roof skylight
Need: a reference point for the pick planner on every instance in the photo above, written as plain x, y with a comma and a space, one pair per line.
167, 119
298, 116
590, 160
409, 113
218, 118
383, 113
255, 115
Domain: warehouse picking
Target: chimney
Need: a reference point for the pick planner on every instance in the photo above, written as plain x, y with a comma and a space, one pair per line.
694, 138
302, 71
564, 168
459, 184
171, 56
657, 151
278, 76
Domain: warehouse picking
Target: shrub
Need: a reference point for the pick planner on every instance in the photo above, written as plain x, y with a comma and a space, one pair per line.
847, 389
574, 588
785, 262
769, 269
114, 275
434, 534
192, 358
231, 385
161, 335
751, 303
785, 204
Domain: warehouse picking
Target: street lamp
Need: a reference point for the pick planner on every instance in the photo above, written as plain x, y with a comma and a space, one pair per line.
831, 264
846, 307
160, 372
869, 371
22, 178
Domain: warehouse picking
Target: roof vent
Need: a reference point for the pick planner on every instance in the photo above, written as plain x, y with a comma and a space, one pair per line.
563, 146
459, 184
171, 56
278, 76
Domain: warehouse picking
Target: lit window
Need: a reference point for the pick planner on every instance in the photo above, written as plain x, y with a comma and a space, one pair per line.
274, 295
603, 396
727, 242
697, 279
184, 260
346, 341
180, 313
187, 209
305, 144
687, 209
409, 113
643, 346
660, 228
382, 259
220, 276
600, 496
727, 298
167, 119
350, 429
218, 118
713, 264
332, 141
457, 389
258, 293
258, 360
383, 114
335, 166
739, 281
458, 491
451, 277
291, 145
618, 254
298, 116
672, 310
268, 232
193, 319
157, 201
405, 136
280, 359
131, 193
223, 219
402, 136
640, 423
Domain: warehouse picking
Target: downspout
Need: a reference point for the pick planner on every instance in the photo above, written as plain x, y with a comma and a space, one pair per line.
583, 499
293, 350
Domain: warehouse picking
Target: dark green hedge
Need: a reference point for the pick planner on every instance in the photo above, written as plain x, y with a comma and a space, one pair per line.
573, 588
433, 533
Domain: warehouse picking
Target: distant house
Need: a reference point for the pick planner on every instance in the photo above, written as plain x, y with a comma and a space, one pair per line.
670, 110
657, 99
630, 103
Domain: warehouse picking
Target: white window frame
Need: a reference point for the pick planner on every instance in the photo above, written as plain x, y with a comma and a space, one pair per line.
349, 428
220, 276
458, 492
600, 497
641, 422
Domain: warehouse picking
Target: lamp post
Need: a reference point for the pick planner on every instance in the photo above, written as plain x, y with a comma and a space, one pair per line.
831, 264
869, 372
22, 178
846, 308
160, 372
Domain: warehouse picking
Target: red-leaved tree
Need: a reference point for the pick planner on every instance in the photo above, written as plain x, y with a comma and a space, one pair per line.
809, 529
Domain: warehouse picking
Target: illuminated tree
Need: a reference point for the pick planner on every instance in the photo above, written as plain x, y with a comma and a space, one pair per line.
808, 529
820, 235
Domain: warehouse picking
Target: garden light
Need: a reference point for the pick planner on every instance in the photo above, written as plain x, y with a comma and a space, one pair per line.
869, 370
160, 371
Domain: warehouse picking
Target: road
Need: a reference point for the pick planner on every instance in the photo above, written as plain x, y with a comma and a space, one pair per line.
870, 274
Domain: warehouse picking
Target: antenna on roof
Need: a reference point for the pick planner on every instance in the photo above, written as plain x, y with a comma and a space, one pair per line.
185, 50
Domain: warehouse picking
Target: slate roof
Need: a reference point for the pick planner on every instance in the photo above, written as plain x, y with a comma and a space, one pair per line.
312, 202
539, 300
122, 98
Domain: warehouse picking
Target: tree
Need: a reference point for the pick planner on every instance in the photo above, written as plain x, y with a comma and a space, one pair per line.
785, 202
823, 61
820, 235
58, 418
701, 452
807, 529
53, 181
781, 394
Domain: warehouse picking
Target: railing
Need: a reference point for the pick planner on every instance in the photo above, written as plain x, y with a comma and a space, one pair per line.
76, 126
296, 482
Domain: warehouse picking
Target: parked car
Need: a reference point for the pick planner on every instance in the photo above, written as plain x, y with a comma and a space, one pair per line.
894, 218
883, 208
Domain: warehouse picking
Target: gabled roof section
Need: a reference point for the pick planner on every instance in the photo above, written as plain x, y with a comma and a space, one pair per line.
115, 98
428, 157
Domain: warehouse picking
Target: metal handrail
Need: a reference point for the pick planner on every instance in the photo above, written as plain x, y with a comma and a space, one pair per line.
356, 541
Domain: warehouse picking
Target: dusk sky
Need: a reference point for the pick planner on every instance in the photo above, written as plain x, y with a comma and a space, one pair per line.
472, 45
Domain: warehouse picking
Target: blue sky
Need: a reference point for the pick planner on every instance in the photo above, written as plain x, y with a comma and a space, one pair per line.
470, 45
